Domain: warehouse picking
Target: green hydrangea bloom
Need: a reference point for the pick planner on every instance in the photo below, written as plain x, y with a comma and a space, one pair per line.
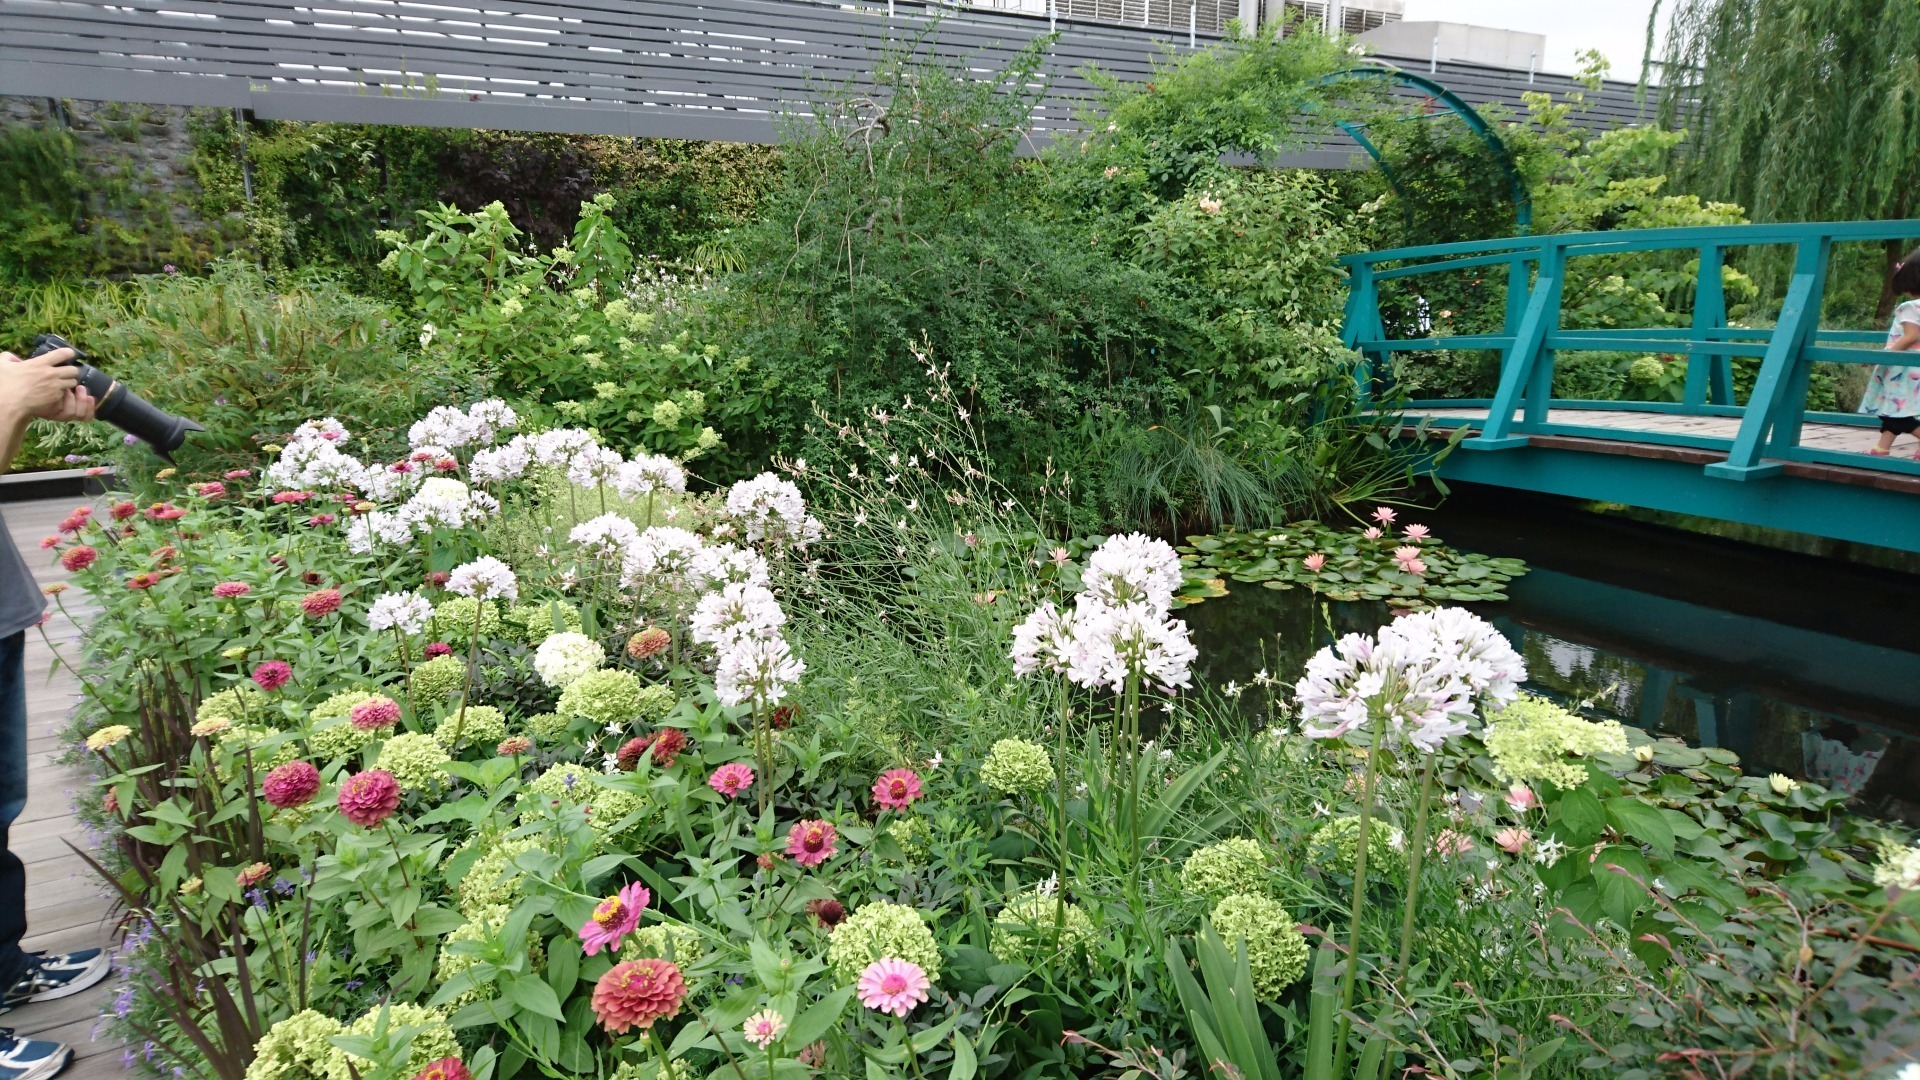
484, 726
1276, 950
1531, 739
415, 760
1647, 369
296, 1049
453, 619
1016, 766
482, 925
434, 1040
611, 806
1238, 865
438, 679
1332, 845
1029, 926
532, 623
573, 783
656, 701
230, 751
663, 941
607, 696
677, 1069
913, 834
882, 929
546, 726
339, 706
234, 705
492, 879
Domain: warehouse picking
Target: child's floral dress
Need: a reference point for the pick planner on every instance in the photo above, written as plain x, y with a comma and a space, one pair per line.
1895, 391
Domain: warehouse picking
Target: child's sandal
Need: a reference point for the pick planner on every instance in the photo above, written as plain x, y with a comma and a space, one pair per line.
1878, 453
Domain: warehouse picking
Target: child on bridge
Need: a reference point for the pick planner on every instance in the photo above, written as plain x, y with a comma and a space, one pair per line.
1893, 393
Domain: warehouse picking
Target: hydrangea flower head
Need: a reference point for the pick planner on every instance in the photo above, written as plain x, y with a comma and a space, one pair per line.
1237, 865
564, 658
878, 929
1017, 767
415, 760
1276, 950
1534, 741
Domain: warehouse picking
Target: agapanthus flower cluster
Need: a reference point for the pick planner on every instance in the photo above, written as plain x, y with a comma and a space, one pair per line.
1119, 627
649, 474
450, 428
1422, 678
405, 612
759, 670
736, 613
497, 464
769, 508
662, 558
605, 537
445, 503
485, 578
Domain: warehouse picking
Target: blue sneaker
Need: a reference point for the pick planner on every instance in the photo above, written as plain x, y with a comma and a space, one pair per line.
31, 1059
52, 976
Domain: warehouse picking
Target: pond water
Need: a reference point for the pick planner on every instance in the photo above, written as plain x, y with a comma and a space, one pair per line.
1803, 665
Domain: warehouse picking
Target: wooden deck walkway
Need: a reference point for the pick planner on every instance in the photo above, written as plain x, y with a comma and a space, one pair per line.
67, 905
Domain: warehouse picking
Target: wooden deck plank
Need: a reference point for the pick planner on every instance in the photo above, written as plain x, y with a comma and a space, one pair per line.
67, 906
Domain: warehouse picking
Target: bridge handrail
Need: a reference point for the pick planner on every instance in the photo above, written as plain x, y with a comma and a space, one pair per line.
1770, 420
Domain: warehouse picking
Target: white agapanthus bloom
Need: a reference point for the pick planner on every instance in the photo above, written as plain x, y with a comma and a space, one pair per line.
758, 670
594, 466
735, 613
376, 527
508, 461
313, 462
649, 474
563, 658
556, 448
326, 429
1112, 643
724, 564
444, 427
1045, 641
1131, 569
661, 558
607, 536
767, 506
405, 612
1471, 648
383, 484
485, 578
1392, 686
486, 420
443, 502
1898, 867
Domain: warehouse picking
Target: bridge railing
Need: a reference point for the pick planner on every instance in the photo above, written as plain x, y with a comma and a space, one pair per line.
1531, 335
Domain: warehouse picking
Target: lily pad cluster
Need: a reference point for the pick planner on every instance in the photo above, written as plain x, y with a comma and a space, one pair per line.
1351, 564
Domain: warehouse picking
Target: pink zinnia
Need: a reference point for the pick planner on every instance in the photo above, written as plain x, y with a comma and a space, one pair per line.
437, 579
165, 512
811, 843
375, 714
1383, 515
1512, 840
514, 746
232, 590
1416, 532
282, 498
437, 649
74, 523
321, 603
636, 993
212, 489
121, 511
239, 474
367, 798
614, 918
1315, 561
896, 789
893, 985
321, 519
48, 542
291, 784
731, 780
79, 558
273, 675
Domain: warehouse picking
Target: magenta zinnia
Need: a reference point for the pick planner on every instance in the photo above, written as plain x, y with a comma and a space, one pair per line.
731, 780
811, 843
291, 784
368, 798
231, 590
893, 985
635, 993
896, 788
273, 674
320, 603
375, 714
614, 918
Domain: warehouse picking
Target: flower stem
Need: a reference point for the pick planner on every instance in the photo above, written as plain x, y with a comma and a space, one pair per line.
1360, 846
1413, 876
1060, 816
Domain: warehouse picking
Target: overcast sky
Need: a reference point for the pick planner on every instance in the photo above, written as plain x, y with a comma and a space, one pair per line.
1618, 28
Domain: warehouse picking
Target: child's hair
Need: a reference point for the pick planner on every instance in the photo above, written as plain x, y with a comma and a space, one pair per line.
1906, 276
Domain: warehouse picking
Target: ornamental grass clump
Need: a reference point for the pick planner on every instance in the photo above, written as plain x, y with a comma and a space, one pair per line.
1238, 865
1532, 739
1017, 767
1035, 927
1276, 950
880, 929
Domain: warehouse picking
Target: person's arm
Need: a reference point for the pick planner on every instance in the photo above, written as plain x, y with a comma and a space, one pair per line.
39, 387
1909, 337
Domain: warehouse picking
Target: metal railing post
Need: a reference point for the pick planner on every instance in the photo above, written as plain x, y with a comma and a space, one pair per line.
1519, 382
1710, 375
1779, 402
1362, 324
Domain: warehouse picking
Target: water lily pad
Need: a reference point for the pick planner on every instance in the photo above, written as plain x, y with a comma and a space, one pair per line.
1352, 565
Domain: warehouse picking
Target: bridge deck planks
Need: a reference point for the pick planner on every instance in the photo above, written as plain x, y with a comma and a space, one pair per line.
67, 907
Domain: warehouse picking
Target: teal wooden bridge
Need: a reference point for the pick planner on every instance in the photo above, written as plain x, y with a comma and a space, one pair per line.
1766, 460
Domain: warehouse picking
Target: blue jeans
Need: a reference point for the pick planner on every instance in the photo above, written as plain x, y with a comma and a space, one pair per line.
13, 799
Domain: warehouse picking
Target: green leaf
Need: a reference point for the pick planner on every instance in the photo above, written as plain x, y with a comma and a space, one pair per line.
1636, 819
1579, 812
819, 1018
1620, 894
965, 1064
532, 994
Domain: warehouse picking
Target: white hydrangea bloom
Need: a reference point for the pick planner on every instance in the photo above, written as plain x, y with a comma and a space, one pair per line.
444, 426
508, 461
1045, 641
1112, 643
735, 613
405, 612
593, 466
758, 670
1898, 867
607, 536
564, 658
1132, 569
725, 564
647, 474
662, 557
485, 578
769, 506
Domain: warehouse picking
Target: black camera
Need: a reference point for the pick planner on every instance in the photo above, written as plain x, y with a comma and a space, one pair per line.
120, 406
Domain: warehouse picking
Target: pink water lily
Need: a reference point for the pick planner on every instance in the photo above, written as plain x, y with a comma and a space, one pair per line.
1315, 561
1416, 532
1384, 515
1406, 553
1372, 533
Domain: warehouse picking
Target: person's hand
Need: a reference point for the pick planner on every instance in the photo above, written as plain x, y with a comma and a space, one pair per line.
44, 385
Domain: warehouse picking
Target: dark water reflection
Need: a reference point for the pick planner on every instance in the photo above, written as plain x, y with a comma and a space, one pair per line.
1802, 665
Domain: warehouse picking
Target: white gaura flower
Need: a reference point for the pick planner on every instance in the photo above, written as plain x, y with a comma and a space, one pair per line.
1132, 569
405, 612
507, 461
724, 564
1470, 648
1112, 643
444, 426
563, 658
735, 613
661, 558
374, 528
1045, 641
607, 536
487, 419
593, 466
649, 474
485, 578
758, 670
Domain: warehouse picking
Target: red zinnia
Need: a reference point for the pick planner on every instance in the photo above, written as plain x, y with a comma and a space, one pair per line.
437, 649
367, 798
635, 993
79, 558
447, 1068
830, 912
896, 788
321, 603
143, 581
781, 718
74, 523
291, 784
232, 590
121, 511
628, 756
667, 744
273, 675
812, 842
438, 579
